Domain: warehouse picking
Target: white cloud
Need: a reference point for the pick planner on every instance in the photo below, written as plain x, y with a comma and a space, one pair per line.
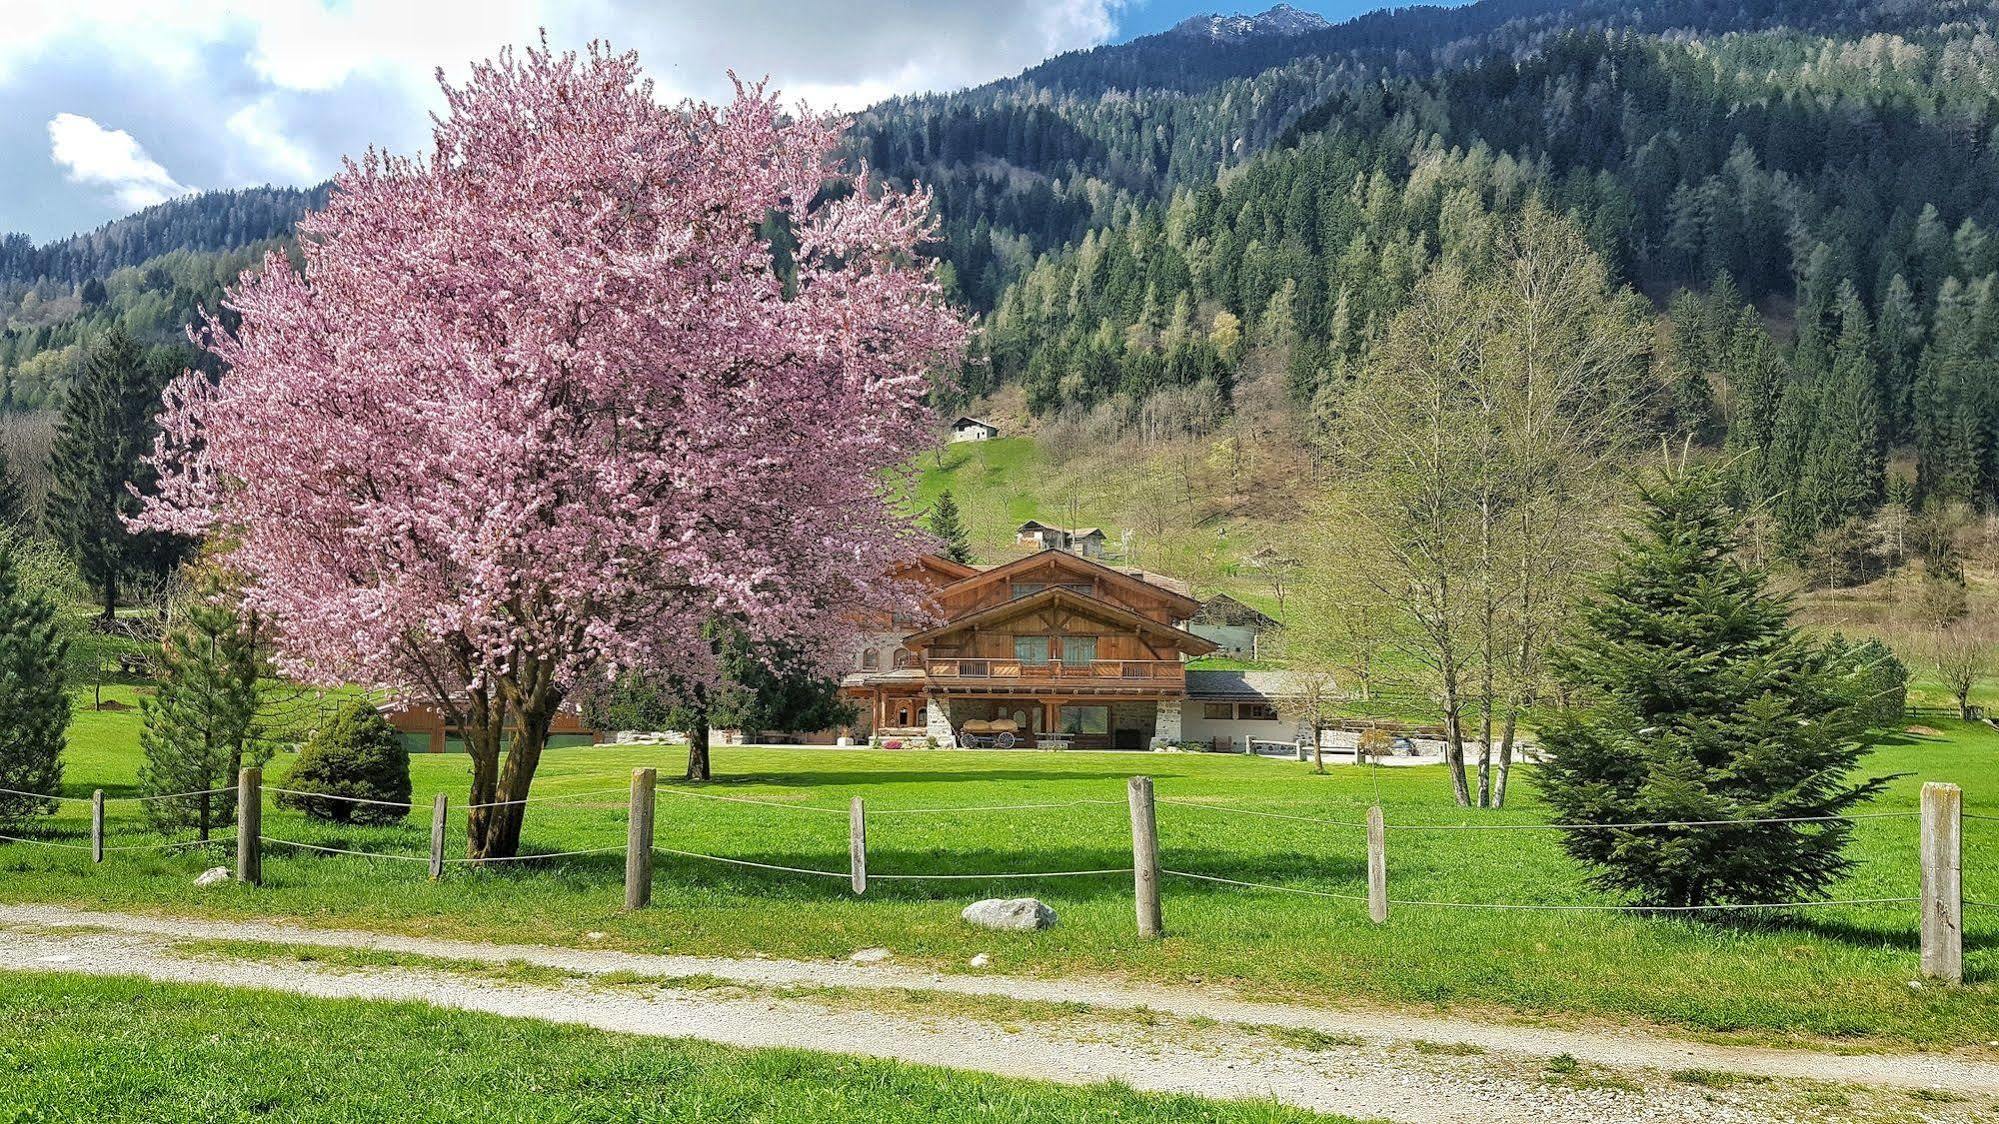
91, 154
230, 93
268, 147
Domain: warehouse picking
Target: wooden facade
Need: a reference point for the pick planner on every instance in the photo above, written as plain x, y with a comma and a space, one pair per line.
1064, 647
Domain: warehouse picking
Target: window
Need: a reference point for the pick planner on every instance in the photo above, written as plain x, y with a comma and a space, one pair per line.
1220, 712
1079, 651
1256, 712
1027, 589
1086, 719
904, 658
1084, 588
1031, 649
870, 658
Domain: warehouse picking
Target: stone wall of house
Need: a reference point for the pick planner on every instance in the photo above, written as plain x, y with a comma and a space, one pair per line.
1166, 723
937, 723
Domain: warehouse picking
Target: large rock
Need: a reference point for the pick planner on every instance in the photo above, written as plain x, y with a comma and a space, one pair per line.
1015, 914
213, 876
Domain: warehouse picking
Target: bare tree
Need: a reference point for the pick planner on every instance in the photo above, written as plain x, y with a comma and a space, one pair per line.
1961, 655
1479, 456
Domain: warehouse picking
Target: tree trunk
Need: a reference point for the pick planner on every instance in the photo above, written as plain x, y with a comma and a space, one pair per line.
1318, 749
480, 725
111, 596
503, 824
697, 749
1505, 760
1454, 736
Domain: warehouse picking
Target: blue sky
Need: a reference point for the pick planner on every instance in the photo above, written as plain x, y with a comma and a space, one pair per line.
116, 104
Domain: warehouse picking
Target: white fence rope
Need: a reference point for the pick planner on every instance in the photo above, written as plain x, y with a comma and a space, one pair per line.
342, 850
45, 796
873, 877
166, 846
749, 863
543, 799
1265, 815
332, 796
526, 858
172, 795
873, 811
117, 799
668, 790
1264, 886
46, 843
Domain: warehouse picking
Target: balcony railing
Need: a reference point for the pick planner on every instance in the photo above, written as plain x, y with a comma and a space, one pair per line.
1098, 671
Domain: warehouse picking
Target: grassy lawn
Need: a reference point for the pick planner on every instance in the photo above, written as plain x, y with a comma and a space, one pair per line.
80, 1048
1841, 973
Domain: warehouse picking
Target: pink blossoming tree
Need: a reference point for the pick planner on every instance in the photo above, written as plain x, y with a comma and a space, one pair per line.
542, 404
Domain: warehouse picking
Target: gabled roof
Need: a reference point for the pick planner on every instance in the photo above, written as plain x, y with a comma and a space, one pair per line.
1077, 602
1036, 525
1223, 609
937, 563
1184, 605
973, 421
1245, 686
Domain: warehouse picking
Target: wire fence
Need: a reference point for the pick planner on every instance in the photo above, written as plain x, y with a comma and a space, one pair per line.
278, 829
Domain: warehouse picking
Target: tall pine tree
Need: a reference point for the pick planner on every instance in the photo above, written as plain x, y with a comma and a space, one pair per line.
34, 699
1702, 704
200, 728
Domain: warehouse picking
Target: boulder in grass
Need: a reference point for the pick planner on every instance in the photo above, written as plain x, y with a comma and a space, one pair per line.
1010, 914
213, 876
871, 956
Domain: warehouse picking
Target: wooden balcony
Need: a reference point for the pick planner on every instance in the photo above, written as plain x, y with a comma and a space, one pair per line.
1152, 673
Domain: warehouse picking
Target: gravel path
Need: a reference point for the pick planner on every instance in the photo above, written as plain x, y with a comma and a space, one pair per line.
1404, 1067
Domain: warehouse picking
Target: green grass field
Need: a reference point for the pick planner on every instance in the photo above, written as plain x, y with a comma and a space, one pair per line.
107, 1050
1835, 973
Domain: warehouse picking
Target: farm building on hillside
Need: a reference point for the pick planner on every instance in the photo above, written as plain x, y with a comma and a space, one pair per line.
1234, 626
973, 429
1086, 541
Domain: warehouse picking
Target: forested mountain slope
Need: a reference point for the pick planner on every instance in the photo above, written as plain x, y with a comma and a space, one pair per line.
1805, 190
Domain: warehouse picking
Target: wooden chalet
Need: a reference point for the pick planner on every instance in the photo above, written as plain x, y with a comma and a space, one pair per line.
1063, 648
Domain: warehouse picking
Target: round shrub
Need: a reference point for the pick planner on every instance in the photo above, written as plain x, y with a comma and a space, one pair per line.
356, 754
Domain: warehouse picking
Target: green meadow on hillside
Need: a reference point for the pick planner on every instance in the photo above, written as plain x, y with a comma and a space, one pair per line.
1841, 972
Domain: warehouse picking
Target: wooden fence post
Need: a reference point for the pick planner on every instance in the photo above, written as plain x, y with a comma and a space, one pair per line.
857, 844
437, 812
638, 841
1943, 892
1145, 858
97, 826
250, 826
1377, 866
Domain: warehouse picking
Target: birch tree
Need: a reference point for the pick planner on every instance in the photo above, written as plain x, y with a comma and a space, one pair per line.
1479, 453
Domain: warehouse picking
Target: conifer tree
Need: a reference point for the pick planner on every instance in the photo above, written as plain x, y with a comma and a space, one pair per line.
949, 528
13, 501
200, 729
102, 439
1702, 704
34, 700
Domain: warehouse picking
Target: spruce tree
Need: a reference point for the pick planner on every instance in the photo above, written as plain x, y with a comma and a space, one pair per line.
13, 501
102, 439
1701, 703
200, 729
34, 697
949, 527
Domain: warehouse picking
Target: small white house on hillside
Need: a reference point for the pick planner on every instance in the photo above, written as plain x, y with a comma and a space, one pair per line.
973, 429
